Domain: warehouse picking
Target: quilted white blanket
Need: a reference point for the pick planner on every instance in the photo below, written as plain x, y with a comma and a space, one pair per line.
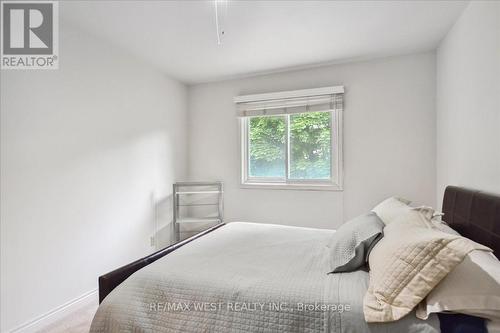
246, 277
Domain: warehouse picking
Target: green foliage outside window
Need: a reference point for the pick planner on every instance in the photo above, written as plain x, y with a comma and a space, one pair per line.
267, 146
310, 146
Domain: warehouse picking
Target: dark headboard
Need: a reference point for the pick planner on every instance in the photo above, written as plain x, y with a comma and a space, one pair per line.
474, 214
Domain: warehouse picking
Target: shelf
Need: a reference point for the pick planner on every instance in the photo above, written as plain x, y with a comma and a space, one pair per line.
198, 220
199, 183
198, 192
198, 204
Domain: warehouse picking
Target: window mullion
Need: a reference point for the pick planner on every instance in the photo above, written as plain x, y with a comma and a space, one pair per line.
247, 147
287, 151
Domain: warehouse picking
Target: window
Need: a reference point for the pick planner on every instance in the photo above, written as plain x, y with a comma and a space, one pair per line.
292, 142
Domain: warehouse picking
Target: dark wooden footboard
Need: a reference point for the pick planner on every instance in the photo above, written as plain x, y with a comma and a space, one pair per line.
111, 280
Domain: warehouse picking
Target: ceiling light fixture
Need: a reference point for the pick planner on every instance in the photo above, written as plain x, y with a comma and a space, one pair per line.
220, 7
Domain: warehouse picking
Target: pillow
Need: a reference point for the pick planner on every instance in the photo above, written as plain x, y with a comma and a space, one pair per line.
442, 226
352, 242
390, 208
417, 216
472, 288
407, 263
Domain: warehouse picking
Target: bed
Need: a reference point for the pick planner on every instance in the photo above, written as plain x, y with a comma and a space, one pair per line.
243, 277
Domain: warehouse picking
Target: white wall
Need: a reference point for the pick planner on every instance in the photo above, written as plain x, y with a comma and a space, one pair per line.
468, 101
389, 140
83, 149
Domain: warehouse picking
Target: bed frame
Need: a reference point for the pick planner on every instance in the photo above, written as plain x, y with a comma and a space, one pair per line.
111, 280
474, 214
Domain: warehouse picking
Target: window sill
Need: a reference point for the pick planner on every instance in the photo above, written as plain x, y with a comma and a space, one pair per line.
303, 187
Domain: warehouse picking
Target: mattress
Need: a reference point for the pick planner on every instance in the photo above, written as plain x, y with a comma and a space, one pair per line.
246, 277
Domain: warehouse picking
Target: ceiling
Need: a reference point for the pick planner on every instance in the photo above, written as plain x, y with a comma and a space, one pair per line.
179, 37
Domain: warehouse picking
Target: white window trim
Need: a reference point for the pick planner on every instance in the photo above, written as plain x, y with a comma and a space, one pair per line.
336, 167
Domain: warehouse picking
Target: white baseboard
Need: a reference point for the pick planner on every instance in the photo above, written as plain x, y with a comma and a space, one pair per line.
59, 312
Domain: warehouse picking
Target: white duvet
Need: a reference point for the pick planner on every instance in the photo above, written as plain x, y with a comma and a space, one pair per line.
245, 277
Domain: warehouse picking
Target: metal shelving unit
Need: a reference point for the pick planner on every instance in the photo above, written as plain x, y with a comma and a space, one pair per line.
191, 197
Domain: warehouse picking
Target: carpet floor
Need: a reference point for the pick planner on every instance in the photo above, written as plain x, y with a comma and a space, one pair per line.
77, 322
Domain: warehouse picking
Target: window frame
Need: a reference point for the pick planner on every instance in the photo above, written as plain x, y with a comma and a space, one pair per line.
335, 183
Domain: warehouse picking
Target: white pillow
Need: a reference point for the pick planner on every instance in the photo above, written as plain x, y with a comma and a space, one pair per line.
472, 288
444, 227
409, 261
391, 208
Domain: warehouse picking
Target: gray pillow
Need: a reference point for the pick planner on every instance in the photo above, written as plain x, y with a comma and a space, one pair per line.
351, 244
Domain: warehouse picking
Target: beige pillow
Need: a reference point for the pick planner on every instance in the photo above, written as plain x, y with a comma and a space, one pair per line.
472, 288
444, 227
409, 261
390, 208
